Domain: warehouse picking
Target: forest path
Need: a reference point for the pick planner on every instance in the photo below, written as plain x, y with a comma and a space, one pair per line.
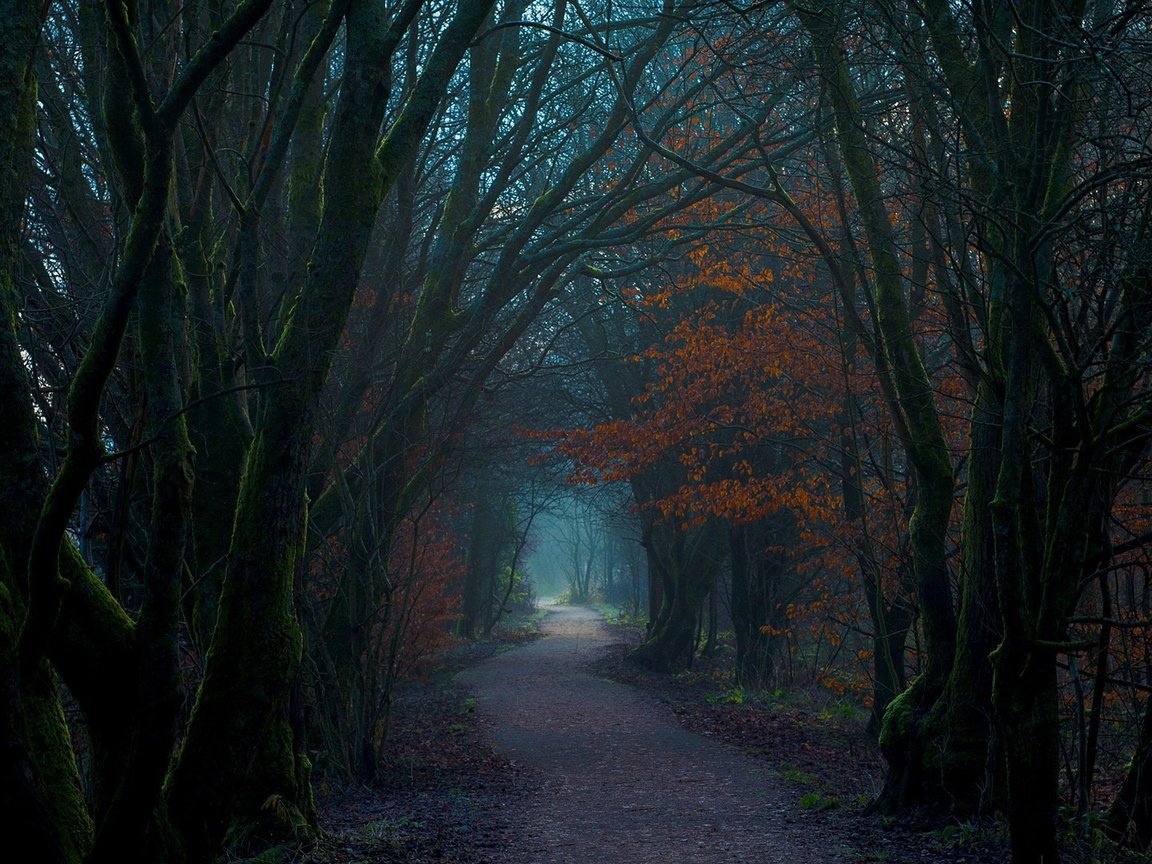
620, 781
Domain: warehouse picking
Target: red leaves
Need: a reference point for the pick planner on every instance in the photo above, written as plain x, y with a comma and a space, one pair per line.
728, 386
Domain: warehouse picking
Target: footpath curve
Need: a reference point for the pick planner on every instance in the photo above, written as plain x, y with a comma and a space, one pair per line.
620, 782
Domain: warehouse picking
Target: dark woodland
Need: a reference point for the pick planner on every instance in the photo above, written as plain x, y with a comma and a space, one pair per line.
807, 342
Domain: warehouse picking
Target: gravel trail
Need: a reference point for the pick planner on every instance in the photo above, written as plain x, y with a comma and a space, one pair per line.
619, 781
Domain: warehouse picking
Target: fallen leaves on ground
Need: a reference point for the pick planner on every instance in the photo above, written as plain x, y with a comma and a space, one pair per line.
444, 797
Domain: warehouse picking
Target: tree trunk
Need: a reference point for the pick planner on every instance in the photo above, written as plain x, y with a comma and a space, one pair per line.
40, 788
239, 774
971, 778
1024, 688
483, 559
1026, 694
757, 611
128, 824
916, 418
683, 564
1129, 818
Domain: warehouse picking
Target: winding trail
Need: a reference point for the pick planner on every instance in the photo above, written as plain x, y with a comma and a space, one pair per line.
619, 781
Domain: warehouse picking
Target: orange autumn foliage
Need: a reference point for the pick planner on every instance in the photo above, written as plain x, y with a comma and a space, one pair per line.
427, 566
746, 394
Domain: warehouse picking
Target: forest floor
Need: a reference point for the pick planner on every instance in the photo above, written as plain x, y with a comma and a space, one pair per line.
555, 750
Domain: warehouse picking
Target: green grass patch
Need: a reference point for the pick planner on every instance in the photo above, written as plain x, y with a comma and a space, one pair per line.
731, 696
793, 774
818, 801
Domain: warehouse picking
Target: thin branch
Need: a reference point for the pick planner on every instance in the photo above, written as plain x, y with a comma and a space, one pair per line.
148, 442
556, 31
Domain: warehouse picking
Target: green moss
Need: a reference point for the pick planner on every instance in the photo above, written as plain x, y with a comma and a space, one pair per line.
50, 744
819, 801
305, 190
899, 720
306, 794
794, 774
41, 727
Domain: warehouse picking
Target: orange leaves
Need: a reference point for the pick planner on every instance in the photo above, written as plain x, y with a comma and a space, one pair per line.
751, 499
742, 400
427, 570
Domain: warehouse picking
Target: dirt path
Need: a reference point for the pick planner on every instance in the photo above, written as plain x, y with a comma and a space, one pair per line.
620, 782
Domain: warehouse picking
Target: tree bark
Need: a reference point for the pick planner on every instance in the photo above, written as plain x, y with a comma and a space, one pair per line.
684, 564
971, 776
757, 608
241, 776
40, 788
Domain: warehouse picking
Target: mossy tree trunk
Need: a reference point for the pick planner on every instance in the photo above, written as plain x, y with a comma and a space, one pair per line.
1038, 506
965, 772
684, 563
912, 402
40, 787
965, 766
757, 563
1024, 683
241, 777
970, 766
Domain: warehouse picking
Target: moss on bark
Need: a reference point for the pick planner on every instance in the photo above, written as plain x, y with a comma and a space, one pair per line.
238, 754
40, 786
684, 563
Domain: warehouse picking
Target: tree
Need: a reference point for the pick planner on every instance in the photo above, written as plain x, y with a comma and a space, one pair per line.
209, 783
40, 782
242, 713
